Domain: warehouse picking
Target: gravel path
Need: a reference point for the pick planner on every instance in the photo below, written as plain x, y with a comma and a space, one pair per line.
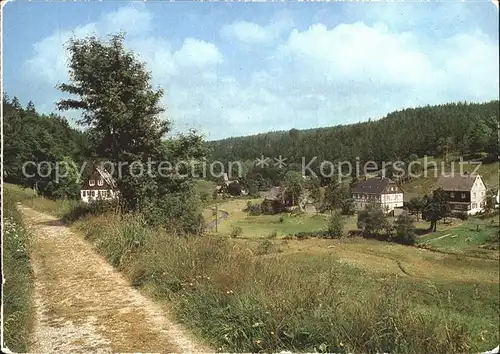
84, 305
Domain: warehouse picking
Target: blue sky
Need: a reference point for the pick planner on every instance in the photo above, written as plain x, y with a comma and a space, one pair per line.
231, 69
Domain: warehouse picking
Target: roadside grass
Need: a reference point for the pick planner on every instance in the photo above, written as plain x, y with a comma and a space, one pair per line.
17, 290
57, 208
351, 295
311, 300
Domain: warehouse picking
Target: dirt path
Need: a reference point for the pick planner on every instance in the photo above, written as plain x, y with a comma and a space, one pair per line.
84, 305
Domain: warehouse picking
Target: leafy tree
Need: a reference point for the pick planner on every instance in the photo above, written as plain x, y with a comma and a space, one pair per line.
67, 186
333, 195
490, 200
435, 208
294, 184
372, 220
122, 111
32, 139
120, 108
335, 225
415, 206
404, 230
234, 189
346, 202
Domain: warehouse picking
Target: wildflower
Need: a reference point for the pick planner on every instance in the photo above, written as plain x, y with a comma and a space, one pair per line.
272, 333
258, 341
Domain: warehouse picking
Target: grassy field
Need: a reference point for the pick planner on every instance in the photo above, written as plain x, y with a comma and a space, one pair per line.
18, 288
260, 295
424, 184
332, 295
57, 208
261, 226
465, 238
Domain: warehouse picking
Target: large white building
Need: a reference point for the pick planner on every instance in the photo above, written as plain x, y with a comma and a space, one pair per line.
465, 193
380, 190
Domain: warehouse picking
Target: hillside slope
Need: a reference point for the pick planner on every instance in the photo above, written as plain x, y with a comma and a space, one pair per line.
463, 128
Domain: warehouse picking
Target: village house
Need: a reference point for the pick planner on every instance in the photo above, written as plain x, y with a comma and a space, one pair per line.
99, 185
379, 190
465, 193
277, 199
223, 186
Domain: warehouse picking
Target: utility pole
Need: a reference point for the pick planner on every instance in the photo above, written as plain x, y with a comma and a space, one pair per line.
216, 197
216, 213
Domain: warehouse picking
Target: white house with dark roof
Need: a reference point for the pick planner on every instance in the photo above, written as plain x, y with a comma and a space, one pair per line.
380, 190
99, 185
465, 193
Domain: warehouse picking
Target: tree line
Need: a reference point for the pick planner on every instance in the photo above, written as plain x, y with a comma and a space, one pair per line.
464, 129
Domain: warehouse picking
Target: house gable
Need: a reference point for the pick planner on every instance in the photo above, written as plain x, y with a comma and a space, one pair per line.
99, 180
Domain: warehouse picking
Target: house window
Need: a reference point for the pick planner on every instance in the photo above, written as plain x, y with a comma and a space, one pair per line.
474, 194
463, 195
93, 193
452, 195
91, 182
100, 182
474, 205
104, 193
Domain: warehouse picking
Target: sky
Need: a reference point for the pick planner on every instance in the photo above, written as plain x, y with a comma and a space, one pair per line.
233, 69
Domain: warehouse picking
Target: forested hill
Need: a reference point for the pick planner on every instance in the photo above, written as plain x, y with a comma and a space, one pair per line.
31, 136
462, 128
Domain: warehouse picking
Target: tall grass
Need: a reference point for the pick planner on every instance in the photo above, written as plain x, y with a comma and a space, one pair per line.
57, 208
239, 301
18, 288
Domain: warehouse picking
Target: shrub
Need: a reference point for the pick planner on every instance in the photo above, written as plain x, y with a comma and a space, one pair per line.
335, 226
234, 189
462, 216
281, 219
95, 207
404, 230
264, 247
273, 234
254, 209
236, 231
178, 213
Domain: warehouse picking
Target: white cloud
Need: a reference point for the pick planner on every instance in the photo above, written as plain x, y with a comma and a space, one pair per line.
251, 33
313, 77
198, 54
49, 63
132, 20
357, 52
246, 32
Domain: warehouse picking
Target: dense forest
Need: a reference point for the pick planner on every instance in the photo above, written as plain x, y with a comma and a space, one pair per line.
31, 136
457, 128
